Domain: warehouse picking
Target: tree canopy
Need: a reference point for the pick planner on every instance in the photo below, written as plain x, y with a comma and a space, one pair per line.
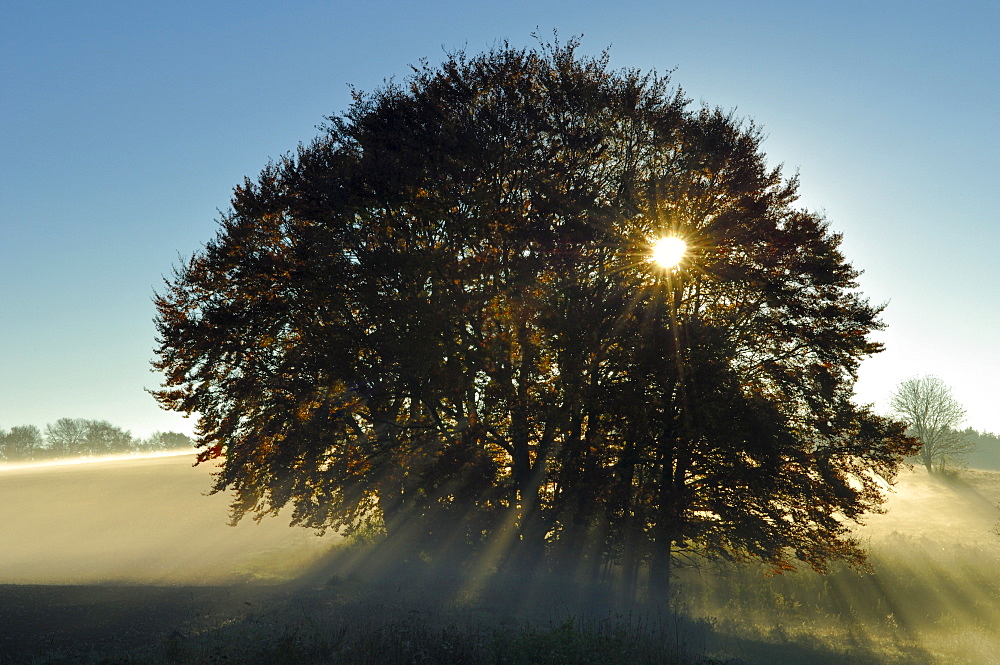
441, 316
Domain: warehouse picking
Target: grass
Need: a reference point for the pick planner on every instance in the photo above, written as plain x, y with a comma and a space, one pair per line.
924, 602
932, 598
414, 618
372, 637
362, 624
739, 617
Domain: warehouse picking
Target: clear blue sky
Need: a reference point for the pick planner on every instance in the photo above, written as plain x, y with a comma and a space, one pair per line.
126, 125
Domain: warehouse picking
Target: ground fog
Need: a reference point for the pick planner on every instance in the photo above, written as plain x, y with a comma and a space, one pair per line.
131, 561
142, 520
932, 594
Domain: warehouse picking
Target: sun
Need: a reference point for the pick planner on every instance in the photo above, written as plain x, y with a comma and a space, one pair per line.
668, 251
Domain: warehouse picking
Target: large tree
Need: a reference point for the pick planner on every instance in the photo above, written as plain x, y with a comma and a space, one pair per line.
441, 315
928, 406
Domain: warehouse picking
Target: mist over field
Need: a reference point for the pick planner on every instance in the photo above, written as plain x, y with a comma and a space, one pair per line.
142, 520
932, 596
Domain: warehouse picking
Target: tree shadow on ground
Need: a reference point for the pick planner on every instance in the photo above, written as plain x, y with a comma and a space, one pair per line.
964, 484
65, 623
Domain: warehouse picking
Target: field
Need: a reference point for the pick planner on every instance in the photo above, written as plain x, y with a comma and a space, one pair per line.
933, 595
130, 562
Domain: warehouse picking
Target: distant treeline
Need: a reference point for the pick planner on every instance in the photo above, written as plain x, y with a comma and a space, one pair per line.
986, 453
74, 437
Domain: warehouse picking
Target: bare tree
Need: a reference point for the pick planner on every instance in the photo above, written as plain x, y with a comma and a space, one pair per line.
66, 436
102, 437
933, 415
22, 443
166, 441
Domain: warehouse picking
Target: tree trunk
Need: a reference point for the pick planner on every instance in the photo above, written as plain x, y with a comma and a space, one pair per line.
661, 571
631, 560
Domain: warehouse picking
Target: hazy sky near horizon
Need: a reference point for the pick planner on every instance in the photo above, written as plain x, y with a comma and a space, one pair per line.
125, 127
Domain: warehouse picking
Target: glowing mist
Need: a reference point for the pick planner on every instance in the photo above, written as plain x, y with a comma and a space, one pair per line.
94, 459
138, 519
932, 595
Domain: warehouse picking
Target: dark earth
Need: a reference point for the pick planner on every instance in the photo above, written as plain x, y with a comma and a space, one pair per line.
48, 620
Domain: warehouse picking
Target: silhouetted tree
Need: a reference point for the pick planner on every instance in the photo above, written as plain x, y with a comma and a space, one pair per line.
79, 436
103, 438
933, 416
21, 443
165, 441
442, 312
